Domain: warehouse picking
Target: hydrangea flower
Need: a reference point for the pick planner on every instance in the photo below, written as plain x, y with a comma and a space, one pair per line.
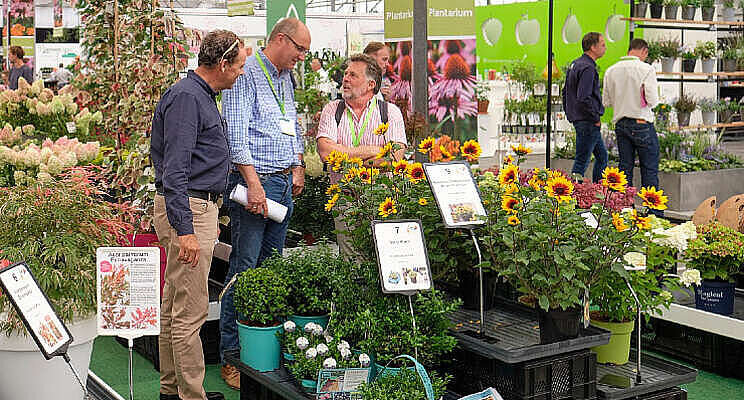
310, 327
322, 349
329, 363
343, 345
345, 353
364, 360
689, 277
290, 326
302, 342
635, 259
311, 353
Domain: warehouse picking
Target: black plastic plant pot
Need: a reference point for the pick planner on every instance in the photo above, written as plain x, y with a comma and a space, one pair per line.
558, 325
656, 10
688, 12
469, 289
688, 65
708, 13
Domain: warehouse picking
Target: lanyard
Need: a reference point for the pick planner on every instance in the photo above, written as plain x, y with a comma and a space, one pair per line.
357, 136
271, 84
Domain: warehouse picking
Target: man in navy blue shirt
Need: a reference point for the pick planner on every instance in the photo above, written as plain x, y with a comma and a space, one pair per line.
583, 104
191, 159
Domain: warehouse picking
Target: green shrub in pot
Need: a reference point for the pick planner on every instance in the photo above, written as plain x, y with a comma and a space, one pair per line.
406, 385
261, 297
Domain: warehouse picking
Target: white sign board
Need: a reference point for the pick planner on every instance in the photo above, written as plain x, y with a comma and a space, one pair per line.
456, 194
128, 291
32, 305
401, 256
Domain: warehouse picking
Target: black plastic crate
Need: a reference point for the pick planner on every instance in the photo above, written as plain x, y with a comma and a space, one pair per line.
567, 376
669, 394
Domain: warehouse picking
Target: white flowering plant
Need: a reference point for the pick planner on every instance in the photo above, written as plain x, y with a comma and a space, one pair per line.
308, 350
24, 164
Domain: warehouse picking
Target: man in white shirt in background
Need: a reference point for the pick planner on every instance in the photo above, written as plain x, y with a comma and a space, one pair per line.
630, 88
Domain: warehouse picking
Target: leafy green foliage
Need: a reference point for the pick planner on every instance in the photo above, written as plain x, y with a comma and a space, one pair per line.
312, 218
717, 252
261, 296
306, 366
406, 385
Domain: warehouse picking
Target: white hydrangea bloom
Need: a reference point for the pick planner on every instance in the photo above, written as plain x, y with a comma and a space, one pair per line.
345, 354
311, 353
364, 360
635, 259
290, 326
689, 277
302, 343
329, 363
322, 349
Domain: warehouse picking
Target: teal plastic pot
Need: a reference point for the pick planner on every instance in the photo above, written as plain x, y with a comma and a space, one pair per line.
380, 370
259, 347
301, 321
309, 385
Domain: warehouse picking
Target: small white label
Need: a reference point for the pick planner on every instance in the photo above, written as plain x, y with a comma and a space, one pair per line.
71, 128
287, 126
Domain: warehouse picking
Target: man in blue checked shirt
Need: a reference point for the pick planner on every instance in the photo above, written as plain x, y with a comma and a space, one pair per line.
266, 149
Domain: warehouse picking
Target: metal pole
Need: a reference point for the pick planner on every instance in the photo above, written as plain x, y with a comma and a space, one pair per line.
420, 81
413, 318
638, 337
480, 283
80, 381
549, 88
131, 375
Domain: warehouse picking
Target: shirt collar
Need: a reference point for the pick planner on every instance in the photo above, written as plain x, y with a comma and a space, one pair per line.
589, 59
201, 82
628, 58
369, 103
269, 65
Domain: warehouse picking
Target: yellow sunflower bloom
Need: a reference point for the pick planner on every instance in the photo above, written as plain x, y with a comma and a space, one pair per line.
365, 174
508, 160
387, 208
351, 174
356, 160
535, 182
511, 189
614, 179
446, 155
509, 175
471, 150
426, 145
384, 151
642, 223
653, 198
380, 130
559, 188
333, 189
331, 202
513, 220
521, 150
619, 222
510, 204
422, 201
416, 172
400, 167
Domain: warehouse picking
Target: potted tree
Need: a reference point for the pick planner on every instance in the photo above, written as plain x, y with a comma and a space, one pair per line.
708, 9
669, 53
728, 12
670, 9
55, 226
656, 6
718, 253
706, 52
684, 106
689, 7
482, 92
689, 59
260, 301
708, 110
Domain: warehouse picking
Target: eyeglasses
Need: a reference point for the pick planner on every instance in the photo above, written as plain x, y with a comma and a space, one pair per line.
232, 46
297, 46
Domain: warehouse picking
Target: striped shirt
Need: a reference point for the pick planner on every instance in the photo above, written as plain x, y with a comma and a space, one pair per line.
253, 114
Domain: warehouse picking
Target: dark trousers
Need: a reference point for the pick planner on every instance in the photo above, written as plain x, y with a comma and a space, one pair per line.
638, 138
589, 141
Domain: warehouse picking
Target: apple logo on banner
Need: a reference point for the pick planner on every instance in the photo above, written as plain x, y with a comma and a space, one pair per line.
491, 30
527, 31
571, 29
615, 28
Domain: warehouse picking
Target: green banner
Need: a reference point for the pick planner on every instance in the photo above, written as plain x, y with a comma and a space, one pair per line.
239, 7
278, 9
445, 19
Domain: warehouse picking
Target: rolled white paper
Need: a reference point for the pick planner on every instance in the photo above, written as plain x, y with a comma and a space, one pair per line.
276, 212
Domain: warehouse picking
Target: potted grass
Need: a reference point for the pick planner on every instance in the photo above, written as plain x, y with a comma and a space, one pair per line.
656, 8
729, 59
670, 9
707, 9
654, 52
707, 108
261, 302
718, 253
669, 54
726, 109
689, 8
706, 52
689, 60
684, 106
728, 12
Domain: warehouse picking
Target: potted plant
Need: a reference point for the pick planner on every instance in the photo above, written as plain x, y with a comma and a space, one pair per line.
708, 9
670, 9
656, 7
307, 273
535, 238
639, 11
689, 59
661, 112
728, 59
726, 109
654, 52
728, 12
708, 110
407, 385
669, 53
689, 7
482, 92
261, 302
706, 52
684, 106
718, 253
55, 226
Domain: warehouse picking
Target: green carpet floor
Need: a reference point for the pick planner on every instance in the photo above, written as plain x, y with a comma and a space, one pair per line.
110, 360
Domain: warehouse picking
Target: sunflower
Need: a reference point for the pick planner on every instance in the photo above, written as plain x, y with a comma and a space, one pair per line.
380, 130
426, 145
333, 189
400, 167
384, 151
642, 223
356, 160
331, 202
619, 222
446, 155
387, 207
509, 175
510, 204
513, 220
351, 174
416, 172
653, 198
366, 174
521, 150
508, 160
422, 201
336, 159
614, 179
559, 188
471, 150
510, 189
535, 182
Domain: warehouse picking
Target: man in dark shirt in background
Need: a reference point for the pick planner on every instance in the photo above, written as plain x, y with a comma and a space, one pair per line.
191, 159
583, 104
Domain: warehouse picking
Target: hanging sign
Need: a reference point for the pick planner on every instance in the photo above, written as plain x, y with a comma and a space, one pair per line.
278, 9
341, 384
128, 291
401, 256
239, 7
32, 305
445, 19
456, 194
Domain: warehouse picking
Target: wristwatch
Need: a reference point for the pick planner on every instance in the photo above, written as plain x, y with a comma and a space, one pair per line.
302, 164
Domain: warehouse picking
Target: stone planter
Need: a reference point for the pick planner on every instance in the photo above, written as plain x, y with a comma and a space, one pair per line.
727, 14
708, 65
709, 118
707, 13
656, 10
728, 65
639, 11
688, 12
688, 65
27, 375
670, 12
683, 118
667, 64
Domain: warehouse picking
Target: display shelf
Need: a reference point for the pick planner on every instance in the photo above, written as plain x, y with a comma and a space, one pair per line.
657, 375
703, 127
683, 312
512, 335
683, 21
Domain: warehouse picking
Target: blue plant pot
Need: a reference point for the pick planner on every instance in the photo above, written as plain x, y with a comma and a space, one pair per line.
715, 296
380, 370
301, 321
259, 347
309, 385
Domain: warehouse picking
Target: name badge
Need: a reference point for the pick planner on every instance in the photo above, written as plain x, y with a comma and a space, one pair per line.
287, 126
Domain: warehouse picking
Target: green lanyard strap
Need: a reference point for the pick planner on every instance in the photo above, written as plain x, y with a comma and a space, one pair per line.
271, 84
356, 137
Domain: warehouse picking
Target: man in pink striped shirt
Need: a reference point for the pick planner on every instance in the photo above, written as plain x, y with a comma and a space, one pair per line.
362, 113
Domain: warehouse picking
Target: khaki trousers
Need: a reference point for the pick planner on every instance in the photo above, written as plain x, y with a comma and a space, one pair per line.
185, 301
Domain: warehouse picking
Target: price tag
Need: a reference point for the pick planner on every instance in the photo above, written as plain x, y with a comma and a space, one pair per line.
456, 194
401, 256
71, 127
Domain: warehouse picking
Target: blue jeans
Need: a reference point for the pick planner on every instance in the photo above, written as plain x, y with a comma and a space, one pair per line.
633, 137
589, 141
253, 239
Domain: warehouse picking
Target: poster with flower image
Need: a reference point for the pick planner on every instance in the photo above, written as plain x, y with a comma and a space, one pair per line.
22, 33
128, 291
401, 256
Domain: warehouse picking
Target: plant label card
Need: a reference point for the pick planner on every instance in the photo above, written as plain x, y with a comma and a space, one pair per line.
456, 194
35, 310
488, 394
341, 384
128, 291
401, 256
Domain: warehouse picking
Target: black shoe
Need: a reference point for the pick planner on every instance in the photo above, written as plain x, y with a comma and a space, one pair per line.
169, 397
215, 396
